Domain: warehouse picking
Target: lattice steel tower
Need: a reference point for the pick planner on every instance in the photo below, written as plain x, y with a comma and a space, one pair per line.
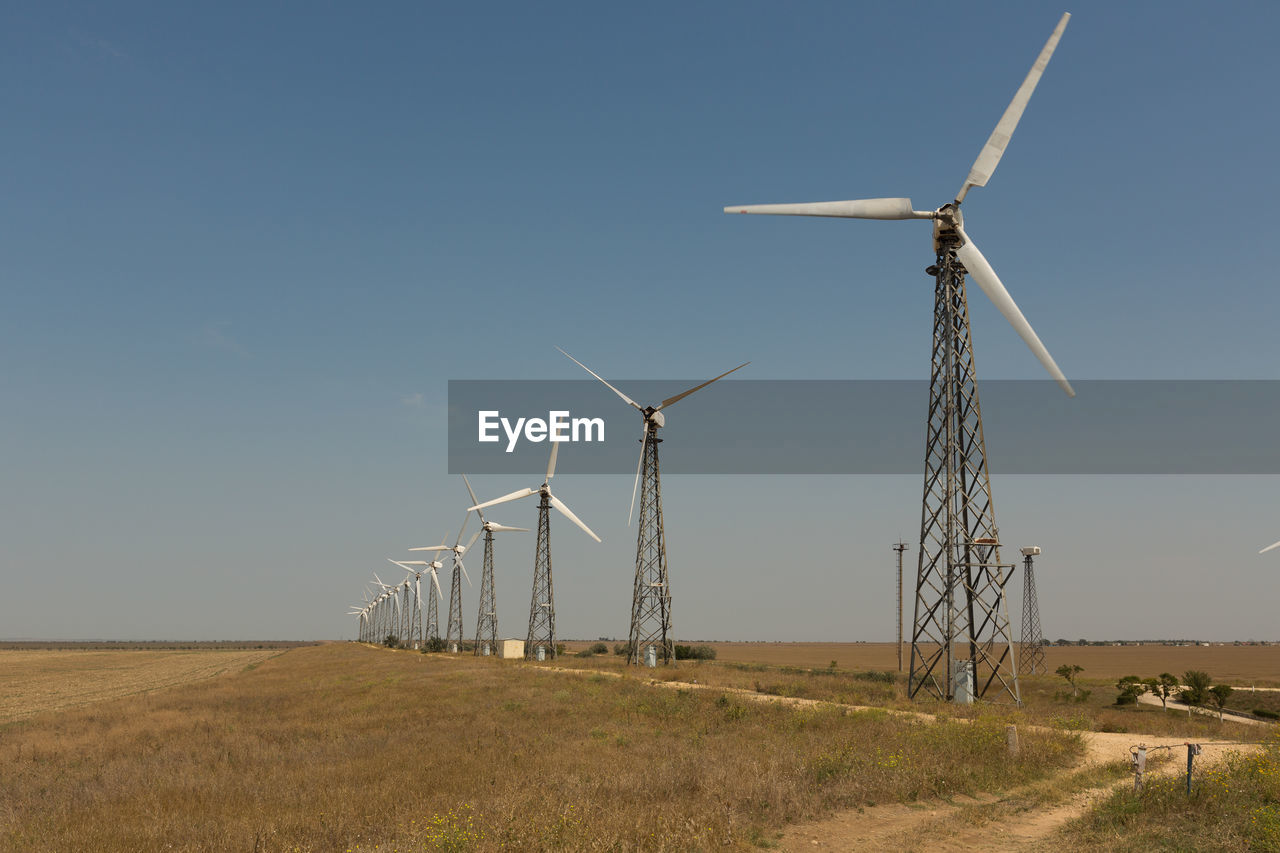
651, 596
542, 605
651, 592
453, 634
961, 618
960, 609
432, 628
487, 618
1031, 650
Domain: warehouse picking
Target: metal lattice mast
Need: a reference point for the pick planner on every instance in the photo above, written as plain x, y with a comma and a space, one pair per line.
487, 619
1032, 647
651, 596
406, 618
432, 627
453, 634
415, 616
542, 605
960, 609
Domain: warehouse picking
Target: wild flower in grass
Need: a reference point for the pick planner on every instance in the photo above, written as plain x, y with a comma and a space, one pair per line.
453, 832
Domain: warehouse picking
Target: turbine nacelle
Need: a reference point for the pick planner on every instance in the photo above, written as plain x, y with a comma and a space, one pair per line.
655, 417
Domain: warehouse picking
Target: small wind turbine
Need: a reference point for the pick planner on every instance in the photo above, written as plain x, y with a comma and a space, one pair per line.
453, 635
651, 591
542, 607
487, 620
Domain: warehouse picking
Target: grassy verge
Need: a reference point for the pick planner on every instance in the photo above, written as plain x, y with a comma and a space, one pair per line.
343, 747
1046, 698
1234, 806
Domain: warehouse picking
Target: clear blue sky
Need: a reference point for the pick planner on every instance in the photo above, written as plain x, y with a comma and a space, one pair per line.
245, 247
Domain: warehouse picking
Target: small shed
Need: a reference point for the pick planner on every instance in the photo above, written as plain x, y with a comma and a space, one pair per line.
513, 648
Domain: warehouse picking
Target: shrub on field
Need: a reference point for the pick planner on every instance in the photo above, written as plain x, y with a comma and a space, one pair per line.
695, 653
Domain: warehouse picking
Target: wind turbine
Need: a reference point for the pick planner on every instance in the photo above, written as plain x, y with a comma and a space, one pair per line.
651, 591
453, 635
432, 625
430, 568
541, 640
385, 626
487, 619
960, 600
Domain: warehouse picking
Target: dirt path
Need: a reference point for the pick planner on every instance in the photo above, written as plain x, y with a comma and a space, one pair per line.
989, 823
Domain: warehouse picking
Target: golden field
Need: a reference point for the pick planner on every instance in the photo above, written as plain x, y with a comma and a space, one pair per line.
351, 747
51, 679
346, 746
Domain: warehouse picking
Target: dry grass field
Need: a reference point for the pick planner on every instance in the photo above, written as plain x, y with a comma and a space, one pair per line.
345, 746
351, 747
36, 680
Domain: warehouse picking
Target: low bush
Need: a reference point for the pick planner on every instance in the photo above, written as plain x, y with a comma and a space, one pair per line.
695, 653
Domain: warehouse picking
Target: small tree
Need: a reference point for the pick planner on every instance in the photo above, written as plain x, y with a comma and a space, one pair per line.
1131, 687
1197, 690
1164, 687
1220, 694
1069, 671
392, 641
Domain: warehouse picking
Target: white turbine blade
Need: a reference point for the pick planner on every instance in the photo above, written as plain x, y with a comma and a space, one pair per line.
436, 580
474, 537
474, 502
432, 548
682, 395
989, 156
863, 208
412, 563
568, 513
417, 593
464, 572
601, 378
379, 580
514, 496
551, 464
1269, 547
644, 443
981, 272
463, 528
502, 528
